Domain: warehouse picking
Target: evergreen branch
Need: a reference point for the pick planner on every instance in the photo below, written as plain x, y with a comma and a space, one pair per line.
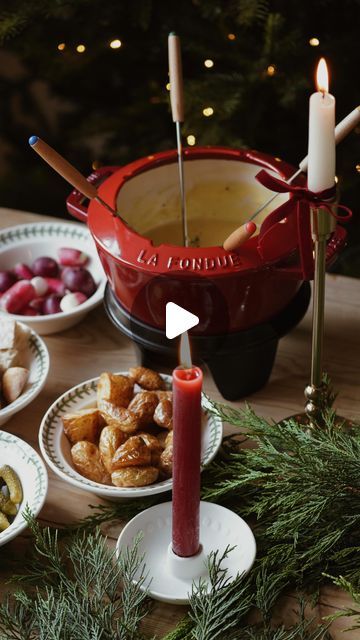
85, 595
219, 606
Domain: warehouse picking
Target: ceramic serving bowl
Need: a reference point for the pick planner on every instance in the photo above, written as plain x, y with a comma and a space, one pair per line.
56, 449
26, 242
32, 473
36, 359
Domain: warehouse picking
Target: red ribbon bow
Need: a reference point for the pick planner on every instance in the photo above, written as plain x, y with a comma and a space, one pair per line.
299, 205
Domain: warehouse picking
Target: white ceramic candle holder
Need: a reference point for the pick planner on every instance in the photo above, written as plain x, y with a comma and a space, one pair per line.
172, 576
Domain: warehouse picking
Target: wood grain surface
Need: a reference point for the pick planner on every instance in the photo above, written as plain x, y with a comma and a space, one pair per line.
95, 345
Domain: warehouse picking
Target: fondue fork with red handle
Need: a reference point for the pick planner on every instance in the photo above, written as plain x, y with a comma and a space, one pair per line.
68, 172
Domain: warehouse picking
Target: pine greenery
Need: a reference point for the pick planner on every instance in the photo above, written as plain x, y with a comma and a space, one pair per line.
299, 489
81, 592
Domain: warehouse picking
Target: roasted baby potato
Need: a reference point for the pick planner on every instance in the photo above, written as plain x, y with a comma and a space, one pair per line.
161, 437
87, 461
111, 438
164, 395
133, 453
153, 443
143, 405
119, 417
163, 414
166, 460
13, 383
147, 378
116, 389
82, 425
134, 476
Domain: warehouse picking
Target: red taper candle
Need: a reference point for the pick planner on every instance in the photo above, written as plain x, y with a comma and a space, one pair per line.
187, 385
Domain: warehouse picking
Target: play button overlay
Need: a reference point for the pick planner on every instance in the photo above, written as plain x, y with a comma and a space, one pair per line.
178, 320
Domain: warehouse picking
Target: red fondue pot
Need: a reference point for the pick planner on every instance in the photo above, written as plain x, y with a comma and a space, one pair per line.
229, 291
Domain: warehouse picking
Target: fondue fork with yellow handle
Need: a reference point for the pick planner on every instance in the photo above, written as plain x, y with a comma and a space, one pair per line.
241, 234
68, 172
177, 112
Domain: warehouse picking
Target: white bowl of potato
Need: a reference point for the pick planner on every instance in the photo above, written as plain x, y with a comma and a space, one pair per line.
112, 435
24, 366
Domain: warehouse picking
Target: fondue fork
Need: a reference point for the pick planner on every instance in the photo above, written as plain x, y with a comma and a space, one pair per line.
68, 172
341, 131
177, 111
243, 233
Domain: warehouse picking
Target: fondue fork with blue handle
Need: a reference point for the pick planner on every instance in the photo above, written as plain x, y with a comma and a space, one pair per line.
68, 172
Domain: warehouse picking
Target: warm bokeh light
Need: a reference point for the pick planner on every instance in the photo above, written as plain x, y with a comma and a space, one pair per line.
208, 63
271, 70
231, 36
314, 42
185, 353
80, 48
322, 76
168, 86
191, 140
208, 111
358, 168
61, 46
115, 44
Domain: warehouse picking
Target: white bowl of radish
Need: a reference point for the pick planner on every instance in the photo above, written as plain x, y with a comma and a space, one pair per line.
50, 275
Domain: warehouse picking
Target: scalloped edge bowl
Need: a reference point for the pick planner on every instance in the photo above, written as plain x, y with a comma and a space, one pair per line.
37, 360
25, 242
32, 473
56, 449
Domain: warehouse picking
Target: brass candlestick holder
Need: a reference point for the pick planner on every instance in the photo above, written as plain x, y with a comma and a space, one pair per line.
316, 393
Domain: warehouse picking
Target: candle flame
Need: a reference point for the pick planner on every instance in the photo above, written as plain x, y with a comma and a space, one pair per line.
322, 76
185, 352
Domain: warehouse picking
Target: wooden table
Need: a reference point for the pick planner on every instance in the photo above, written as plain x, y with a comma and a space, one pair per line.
95, 345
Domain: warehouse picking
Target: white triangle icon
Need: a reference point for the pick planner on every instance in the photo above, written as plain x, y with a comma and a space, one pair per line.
178, 320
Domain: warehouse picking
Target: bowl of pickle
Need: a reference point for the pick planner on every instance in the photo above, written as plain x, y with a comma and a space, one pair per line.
23, 485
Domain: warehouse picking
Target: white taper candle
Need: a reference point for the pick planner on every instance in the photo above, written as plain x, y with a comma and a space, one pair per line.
321, 152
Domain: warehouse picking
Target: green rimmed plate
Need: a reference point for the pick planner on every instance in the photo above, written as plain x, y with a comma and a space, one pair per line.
56, 449
32, 473
35, 358
26, 242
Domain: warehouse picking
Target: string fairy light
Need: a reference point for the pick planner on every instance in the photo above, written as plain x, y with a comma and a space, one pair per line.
191, 140
314, 42
358, 167
231, 36
208, 63
115, 44
61, 46
80, 48
168, 86
208, 111
271, 70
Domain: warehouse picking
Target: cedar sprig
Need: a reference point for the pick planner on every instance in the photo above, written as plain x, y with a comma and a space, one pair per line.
82, 592
300, 488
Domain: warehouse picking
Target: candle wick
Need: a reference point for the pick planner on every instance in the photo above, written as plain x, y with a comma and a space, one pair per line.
323, 93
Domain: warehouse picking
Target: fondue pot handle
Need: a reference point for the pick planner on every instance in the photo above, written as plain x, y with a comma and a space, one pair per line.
76, 203
336, 243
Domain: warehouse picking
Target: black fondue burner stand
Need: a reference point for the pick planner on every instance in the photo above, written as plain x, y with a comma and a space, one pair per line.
240, 363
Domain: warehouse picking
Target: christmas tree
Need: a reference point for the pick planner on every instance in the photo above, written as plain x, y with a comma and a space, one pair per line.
91, 78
